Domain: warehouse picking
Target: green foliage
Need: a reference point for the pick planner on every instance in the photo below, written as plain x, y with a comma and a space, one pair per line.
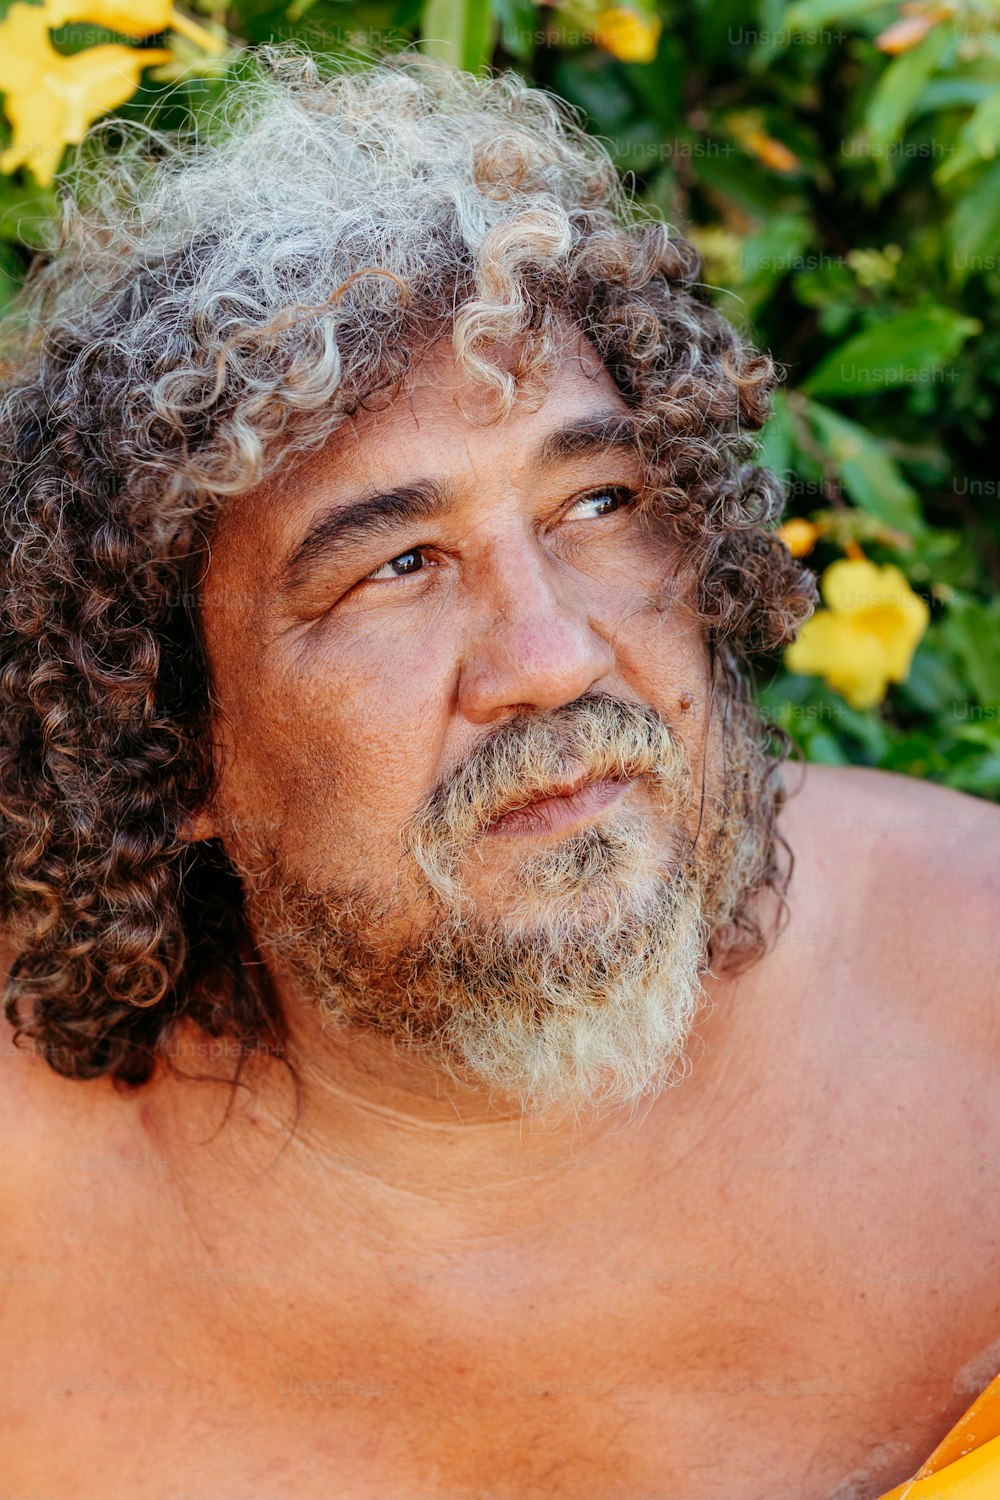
843, 187
461, 32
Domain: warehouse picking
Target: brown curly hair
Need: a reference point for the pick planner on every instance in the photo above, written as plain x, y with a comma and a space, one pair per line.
213, 304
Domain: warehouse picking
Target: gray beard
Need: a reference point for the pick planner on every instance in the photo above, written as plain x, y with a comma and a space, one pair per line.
580, 994
584, 1009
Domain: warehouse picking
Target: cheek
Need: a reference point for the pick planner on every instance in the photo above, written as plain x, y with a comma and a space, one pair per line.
652, 591
354, 745
660, 648
661, 657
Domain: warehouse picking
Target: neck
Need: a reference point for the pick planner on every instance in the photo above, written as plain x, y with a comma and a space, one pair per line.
374, 1125
399, 1216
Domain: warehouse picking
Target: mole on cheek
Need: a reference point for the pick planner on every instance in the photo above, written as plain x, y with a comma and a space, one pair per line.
686, 700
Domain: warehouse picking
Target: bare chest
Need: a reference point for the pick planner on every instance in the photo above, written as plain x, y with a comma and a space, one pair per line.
778, 1325
807, 1403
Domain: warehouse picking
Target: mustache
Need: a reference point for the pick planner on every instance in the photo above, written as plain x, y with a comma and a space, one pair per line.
596, 737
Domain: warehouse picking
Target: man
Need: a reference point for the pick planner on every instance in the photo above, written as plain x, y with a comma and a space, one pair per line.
456, 1058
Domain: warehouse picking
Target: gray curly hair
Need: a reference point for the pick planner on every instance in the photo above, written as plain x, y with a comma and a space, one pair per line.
212, 305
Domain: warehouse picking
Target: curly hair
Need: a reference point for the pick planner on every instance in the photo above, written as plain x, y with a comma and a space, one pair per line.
214, 303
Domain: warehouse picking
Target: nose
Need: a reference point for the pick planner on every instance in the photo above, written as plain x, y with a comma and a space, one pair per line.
534, 645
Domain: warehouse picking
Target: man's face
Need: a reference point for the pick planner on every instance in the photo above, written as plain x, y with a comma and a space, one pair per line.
387, 691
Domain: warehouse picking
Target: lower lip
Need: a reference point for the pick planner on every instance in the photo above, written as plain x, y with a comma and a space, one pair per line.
549, 814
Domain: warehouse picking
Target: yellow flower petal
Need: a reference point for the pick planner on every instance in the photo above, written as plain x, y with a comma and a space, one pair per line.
100, 79
773, 154
68, 94
25, 47
848, 659
900, 633
867, 636
138, 19
35, 143
626, 34
799, 536
881, 602
853, 584
904, 34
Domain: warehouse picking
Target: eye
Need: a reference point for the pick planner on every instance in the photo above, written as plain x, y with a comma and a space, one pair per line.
623, 494
405, 558
410, 562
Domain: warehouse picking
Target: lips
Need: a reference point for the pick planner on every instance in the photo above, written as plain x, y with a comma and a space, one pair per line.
561, 804
558, 789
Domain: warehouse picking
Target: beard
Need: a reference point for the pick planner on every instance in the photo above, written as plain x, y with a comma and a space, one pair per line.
579, 987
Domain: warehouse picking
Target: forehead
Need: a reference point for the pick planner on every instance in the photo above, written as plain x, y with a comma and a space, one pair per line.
440, 423
443, 414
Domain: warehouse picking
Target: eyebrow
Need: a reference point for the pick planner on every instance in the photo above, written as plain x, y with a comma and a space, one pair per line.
343, 526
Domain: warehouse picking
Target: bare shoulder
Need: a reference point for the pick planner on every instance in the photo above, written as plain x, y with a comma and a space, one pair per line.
20, 1063
44, 1117
927, 835
881, 806
905, 873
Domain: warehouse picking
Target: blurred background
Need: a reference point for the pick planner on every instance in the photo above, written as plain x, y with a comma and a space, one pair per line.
835, 162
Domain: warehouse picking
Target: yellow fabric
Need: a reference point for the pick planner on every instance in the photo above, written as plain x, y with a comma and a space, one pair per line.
965, 1465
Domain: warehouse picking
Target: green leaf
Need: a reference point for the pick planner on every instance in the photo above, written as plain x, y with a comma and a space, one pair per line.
981, 776
777, 440
768, 256
11, 274
982, 728
953, 92
809, 14
932, 684
972, 630
901, 351
978, 140
974, 227
460, 32
866, 471
659, 86
915, 755
24, 210
715, 21
902, 84
825, 749
724, 169
520, 27
768, 36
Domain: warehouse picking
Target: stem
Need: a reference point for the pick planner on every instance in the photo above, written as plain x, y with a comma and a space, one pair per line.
196, 33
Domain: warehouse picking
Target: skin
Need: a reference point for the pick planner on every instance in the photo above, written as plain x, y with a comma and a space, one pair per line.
362, 695
518, 606
732, 1291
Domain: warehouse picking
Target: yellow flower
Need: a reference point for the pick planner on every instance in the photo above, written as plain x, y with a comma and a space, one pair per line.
798, 535
866, 638
773, 154
136, 18
626, 34
26, 47
904, 34
51, 99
